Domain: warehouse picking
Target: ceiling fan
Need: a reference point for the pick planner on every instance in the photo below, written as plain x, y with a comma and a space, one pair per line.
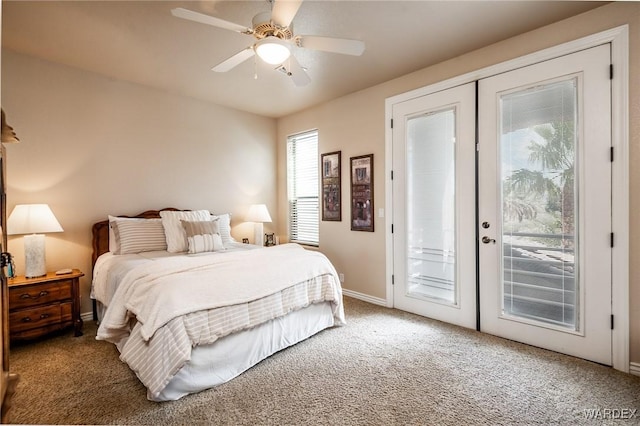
274, 36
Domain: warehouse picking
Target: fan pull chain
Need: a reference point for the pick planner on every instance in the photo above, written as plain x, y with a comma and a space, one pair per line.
255, 67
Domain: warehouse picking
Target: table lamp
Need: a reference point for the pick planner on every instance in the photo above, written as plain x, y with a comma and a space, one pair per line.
258, 214
33, 220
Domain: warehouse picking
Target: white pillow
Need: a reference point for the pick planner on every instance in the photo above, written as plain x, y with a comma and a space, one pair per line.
174, 232
224, 225
114, 244
136, 236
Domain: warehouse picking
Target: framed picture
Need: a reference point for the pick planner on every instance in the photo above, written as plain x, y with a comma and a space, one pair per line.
362, 193
269, 240
331, 187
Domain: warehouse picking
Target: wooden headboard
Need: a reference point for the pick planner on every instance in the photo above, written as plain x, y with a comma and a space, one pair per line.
100, 231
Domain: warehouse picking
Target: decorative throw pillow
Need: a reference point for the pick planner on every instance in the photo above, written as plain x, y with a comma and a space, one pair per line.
173, 229
136, 236
203, 236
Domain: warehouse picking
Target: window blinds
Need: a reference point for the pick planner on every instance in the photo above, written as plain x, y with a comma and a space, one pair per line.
302, 187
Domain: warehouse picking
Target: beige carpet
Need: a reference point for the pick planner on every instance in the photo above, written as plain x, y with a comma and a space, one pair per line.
386, 367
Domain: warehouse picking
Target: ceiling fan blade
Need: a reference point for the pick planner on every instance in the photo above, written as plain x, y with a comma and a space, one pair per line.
330, 44
235, 60
297, 73
284, 11
209, 20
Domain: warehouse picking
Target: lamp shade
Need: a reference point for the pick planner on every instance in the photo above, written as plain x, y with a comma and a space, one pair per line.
32, 219
258, 213
272, 50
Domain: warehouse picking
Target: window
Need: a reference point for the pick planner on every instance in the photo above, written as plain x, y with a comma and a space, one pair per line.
302, 187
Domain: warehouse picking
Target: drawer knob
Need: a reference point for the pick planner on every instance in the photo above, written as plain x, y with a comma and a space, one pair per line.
28, 296
42, 317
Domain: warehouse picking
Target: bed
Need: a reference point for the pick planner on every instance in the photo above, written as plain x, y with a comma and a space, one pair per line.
190, 308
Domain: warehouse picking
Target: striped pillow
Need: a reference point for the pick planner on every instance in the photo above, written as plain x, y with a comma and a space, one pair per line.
203, 236
113, 241
136, 236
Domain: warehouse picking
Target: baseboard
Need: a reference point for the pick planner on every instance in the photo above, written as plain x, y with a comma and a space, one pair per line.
634, 368
87, 316
364, 297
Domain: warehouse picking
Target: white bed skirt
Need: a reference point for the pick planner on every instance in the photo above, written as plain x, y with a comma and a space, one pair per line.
214, 364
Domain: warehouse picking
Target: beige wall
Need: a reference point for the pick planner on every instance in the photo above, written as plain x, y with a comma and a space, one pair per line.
92, 146
355, 125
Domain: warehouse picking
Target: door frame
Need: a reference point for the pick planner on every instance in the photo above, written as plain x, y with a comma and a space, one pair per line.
619, 39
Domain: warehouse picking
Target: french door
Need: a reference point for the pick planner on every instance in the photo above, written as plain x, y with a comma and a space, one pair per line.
434, 192
545, 204
536, 242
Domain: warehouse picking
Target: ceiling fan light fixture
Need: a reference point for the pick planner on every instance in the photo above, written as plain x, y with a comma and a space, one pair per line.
272, 50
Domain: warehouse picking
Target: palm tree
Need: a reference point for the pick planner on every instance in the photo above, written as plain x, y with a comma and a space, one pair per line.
549, 180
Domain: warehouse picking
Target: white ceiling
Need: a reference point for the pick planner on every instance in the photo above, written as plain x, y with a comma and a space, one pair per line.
141, 42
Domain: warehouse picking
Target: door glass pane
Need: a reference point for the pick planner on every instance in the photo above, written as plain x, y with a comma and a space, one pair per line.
431, 206
539, 206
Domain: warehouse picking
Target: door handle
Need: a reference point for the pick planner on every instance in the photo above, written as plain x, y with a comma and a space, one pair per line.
488, 240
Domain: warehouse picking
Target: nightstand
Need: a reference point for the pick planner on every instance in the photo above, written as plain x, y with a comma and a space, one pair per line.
38, 306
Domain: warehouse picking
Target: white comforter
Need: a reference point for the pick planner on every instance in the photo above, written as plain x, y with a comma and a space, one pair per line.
175, 301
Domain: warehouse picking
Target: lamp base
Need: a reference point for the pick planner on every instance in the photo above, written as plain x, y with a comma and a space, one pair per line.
34, 260
258, 238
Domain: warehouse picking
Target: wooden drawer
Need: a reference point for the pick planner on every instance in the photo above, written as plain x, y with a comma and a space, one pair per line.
26, 319
27, 296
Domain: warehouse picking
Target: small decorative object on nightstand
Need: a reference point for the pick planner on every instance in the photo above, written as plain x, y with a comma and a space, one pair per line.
269, 240
38, 306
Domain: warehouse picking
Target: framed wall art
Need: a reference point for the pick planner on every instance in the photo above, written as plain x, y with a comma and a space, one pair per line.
331, 187
269, 240
362, 193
